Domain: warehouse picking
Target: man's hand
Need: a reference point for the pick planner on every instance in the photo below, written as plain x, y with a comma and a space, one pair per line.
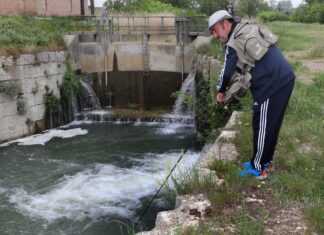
220, 98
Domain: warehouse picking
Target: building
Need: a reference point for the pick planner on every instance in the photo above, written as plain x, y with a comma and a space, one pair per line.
44, 7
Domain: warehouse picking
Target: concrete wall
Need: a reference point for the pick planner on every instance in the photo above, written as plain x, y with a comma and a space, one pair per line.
162, 57
73, 51
42, 7
32, 73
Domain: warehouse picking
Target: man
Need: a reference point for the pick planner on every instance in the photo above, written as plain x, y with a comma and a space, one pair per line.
271, 84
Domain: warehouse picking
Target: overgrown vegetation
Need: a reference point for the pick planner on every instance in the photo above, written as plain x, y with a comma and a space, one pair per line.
52, 104
20, 34
70, 89
268, 16
149, 6
21, 106
71, 84
214, 48
310, 13
10, 89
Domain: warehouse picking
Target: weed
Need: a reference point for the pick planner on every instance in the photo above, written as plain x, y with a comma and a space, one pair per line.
52, 104
315, 215
29, 122
215, 48
71, 84
247, 224
21, 106
123, 226
316, 52
190, 181
10, 89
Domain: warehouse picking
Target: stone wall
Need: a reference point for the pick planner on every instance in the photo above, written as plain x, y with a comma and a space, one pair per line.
32, 73
207, 70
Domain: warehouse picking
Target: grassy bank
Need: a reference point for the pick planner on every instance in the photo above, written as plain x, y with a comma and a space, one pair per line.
298, 181
24, 34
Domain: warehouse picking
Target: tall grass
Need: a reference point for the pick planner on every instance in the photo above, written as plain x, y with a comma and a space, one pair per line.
29, 34
297, 36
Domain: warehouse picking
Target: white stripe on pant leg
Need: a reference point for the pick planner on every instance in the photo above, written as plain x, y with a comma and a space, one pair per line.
259, 137
262, 141
262, 131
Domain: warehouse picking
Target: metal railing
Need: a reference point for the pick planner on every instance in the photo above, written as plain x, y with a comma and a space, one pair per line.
137, 25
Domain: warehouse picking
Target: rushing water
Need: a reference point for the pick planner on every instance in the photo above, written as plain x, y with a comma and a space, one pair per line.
90, 175
82, 178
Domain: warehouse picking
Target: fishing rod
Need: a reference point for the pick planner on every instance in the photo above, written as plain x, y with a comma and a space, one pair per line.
166, 179
175, 165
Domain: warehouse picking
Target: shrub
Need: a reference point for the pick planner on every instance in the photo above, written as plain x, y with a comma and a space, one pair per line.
29, 122
21, 106
71, 84
268, 16
10, 89
310, 13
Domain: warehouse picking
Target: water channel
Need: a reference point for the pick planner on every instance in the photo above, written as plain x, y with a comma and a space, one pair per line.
81, 178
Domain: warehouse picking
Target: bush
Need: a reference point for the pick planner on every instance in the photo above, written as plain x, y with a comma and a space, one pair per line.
310, 13
149, 6
10, 89
268, 16
21, 106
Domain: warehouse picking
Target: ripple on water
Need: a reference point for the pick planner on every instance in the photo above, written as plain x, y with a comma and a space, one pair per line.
99, 190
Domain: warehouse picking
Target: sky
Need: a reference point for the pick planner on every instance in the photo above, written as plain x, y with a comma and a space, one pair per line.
295, 3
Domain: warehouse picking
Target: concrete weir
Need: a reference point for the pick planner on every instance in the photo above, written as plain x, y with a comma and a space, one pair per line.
137, 60
164, 57
122, 74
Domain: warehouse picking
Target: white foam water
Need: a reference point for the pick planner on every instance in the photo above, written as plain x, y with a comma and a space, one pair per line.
183, 113
2, 190
100, 190
42, 139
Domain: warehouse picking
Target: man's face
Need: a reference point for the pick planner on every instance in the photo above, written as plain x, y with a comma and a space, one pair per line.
218, 31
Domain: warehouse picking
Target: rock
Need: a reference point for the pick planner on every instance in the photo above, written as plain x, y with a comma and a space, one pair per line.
191, 209
254, 200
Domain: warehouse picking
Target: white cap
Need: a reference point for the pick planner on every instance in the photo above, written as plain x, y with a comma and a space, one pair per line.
218, 16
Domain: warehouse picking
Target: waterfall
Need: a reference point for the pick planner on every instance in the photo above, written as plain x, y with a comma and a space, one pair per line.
184, 102
86, 104
183, 110
89, 100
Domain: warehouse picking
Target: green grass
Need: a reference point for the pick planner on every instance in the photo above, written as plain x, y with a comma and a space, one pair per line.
300, 172
215, 48
28, 34
297, 36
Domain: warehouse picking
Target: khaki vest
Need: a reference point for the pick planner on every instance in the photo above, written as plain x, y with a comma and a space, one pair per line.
251, 43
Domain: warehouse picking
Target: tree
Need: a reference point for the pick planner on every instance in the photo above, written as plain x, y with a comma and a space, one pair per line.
252, 7
209, 7
180, 3
314, 1
118, 5
284, 6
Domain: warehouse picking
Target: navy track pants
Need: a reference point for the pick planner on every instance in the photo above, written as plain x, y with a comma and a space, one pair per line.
266, 123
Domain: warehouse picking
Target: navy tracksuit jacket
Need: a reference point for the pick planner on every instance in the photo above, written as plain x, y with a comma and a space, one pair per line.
271, 86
